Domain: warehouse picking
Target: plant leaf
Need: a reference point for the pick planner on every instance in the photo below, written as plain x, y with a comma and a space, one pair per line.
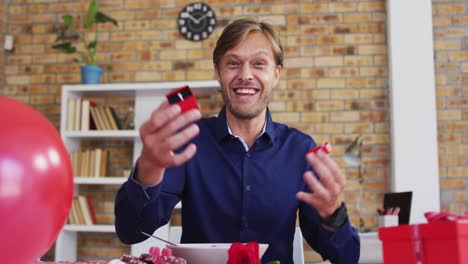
92, 45
92, 10
103, 18
60, 36
68, 20
66, 47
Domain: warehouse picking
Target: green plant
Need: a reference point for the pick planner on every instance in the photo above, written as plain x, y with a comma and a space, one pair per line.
68, 38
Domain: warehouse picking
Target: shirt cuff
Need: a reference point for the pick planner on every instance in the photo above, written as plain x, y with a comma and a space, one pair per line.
138, 193
339, 235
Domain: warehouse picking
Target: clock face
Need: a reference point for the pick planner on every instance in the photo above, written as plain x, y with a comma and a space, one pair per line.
196, 21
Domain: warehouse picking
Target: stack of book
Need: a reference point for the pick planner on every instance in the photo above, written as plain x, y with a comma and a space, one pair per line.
82, 211
84, 115
89, 162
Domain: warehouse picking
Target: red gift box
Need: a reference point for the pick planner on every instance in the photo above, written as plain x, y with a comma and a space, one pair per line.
184, 97
432, 243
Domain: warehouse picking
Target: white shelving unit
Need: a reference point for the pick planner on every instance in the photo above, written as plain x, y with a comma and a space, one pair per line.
147, 96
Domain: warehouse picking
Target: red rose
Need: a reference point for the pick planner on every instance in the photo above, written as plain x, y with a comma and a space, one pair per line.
240, 253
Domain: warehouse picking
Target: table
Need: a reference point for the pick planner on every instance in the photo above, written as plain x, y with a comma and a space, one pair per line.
371, 252
72, 262
371, 248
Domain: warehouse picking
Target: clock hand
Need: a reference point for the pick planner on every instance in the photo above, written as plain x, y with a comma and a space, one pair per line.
184, 15
193, 19
202, 17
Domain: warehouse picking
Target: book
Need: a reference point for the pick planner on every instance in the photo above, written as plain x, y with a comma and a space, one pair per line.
97, 162
70, 114
110, 118
79, 218
85, 211
77, 116
115, 118
92, 212
84, 163
103, 116
72, 217
92, 162
85, 115
94, 117
74, 161
103, 164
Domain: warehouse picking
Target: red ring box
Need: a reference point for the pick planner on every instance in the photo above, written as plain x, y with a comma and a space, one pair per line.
184, 97
325, 147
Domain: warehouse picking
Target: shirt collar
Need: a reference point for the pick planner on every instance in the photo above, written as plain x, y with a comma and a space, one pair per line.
222, 130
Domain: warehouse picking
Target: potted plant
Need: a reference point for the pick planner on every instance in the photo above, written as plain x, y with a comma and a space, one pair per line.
68, 40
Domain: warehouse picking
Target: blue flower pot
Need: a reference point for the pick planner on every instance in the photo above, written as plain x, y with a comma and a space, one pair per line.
91, 74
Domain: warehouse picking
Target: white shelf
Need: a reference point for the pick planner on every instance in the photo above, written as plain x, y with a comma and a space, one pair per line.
131, 89
90, 228
102, 134
100, 180
147, 96
107, 181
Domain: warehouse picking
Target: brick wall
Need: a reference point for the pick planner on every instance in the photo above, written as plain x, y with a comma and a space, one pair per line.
334, 85
450, 19
3, 28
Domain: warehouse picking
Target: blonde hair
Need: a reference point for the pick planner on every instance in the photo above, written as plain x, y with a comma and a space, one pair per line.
238, 30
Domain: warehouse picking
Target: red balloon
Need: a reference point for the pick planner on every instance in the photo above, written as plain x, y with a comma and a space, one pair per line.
36, 183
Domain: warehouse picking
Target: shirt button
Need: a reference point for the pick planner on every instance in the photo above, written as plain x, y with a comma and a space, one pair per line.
245, 223
248, 154
247, 188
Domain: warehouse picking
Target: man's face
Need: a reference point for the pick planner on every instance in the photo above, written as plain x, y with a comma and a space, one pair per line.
247, 74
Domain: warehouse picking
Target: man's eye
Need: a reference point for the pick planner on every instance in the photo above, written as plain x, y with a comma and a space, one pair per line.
232, 64
259, 64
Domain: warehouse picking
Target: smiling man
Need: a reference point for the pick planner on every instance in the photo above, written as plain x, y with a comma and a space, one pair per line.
240, 176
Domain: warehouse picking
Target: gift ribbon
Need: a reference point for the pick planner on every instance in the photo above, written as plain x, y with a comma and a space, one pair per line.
444, 216
430, 217
417, 244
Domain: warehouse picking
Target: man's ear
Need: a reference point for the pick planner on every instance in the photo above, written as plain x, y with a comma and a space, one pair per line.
277, 74
216, 70
218, 77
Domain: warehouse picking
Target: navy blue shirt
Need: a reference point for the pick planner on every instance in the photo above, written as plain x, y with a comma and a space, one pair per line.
229, 194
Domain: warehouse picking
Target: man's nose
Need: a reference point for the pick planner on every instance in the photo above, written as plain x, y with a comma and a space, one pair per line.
245, 73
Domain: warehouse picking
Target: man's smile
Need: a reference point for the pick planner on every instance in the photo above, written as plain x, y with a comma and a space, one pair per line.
245, 91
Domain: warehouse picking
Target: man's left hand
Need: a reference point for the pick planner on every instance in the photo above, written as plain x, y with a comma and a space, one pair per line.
327, 188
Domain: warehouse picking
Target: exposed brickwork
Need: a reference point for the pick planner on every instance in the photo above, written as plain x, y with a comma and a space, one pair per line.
334, 85
450, 19
3, 31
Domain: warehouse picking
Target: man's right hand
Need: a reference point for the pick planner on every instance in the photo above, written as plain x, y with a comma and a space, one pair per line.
167, 129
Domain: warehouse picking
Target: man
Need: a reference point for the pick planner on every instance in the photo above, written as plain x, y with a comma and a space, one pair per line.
240, 176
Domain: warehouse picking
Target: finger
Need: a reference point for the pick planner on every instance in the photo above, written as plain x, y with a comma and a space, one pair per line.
319, 163
158, 118
181, 138
317, 188
180, 122
184, 156
164, 114
307, 198
316, 161
335, 170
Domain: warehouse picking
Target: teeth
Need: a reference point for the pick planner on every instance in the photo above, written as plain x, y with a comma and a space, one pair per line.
245, 91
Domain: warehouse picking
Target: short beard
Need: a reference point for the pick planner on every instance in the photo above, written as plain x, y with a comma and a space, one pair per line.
245, 115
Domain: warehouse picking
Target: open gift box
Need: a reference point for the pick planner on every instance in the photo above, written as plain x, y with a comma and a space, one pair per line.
432, 243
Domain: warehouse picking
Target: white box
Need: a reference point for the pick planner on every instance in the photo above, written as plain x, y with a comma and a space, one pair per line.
387, 220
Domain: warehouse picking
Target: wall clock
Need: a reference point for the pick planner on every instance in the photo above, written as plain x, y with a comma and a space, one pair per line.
196, 21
